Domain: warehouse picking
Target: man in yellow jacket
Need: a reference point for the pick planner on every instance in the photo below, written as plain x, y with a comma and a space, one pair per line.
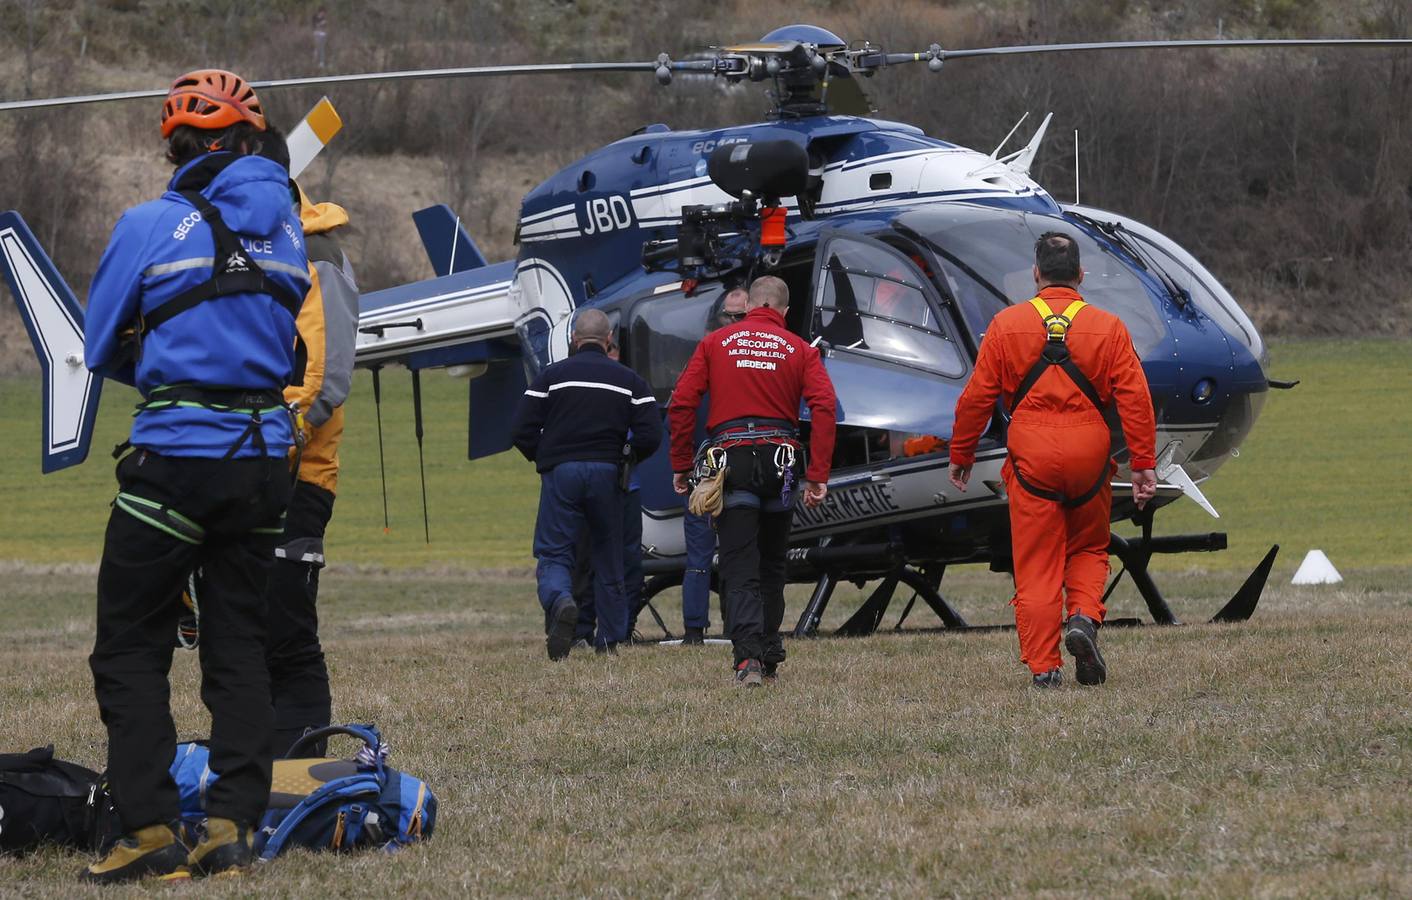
328, 323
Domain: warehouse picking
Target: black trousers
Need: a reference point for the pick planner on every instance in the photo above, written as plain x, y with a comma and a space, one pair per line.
147, 556
753, 532
299, 688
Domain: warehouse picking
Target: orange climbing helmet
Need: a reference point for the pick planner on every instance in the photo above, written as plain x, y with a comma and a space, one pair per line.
210, 99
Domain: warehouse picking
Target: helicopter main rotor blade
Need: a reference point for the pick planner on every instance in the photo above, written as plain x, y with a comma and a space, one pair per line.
1158, 45
406, 75
872, 58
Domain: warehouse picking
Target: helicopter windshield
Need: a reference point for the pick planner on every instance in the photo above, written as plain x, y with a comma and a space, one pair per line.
1191, 276
987, 258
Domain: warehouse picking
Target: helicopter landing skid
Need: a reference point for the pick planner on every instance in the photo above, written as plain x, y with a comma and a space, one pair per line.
1136, 554
924, 581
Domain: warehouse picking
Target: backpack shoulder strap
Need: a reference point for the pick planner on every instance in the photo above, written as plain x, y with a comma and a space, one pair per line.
232, 272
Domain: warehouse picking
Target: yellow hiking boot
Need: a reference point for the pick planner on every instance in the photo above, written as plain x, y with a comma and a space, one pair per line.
224, 849
151, 852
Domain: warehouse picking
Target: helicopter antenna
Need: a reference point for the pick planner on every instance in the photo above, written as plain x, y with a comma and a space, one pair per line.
996, 152
1076, 167
455, 235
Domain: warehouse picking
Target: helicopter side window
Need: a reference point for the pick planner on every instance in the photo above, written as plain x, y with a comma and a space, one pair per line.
663, 332
871, 301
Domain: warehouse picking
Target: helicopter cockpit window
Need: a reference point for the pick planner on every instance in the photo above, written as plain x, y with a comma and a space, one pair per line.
871, 301
664, 330
987, 253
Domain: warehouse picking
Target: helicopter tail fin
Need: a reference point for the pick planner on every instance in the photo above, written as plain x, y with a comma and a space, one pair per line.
54, 321
449, 246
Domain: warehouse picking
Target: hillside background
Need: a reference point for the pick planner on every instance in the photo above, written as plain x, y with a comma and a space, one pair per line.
1288, 172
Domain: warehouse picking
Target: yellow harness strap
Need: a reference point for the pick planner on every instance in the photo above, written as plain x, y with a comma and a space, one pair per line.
1057, 326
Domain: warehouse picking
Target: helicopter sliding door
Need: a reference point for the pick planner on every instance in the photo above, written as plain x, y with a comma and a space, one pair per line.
891, 350
887, 344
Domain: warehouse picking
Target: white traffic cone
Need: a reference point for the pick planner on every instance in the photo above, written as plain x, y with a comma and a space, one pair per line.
1316, 569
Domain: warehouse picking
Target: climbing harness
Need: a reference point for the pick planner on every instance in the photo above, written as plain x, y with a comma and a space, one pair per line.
255, 404
708, 492
780, 434
1056, 354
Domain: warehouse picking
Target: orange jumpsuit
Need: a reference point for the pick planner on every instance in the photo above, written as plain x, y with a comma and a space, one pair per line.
1061, 443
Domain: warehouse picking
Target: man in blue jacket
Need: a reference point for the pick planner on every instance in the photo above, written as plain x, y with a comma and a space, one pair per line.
580, 422
194, 303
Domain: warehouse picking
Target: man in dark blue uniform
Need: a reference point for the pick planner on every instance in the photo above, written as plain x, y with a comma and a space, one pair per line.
632, 559
194, 303
582, 422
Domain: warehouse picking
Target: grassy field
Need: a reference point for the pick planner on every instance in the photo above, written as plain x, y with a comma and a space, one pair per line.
1267, 759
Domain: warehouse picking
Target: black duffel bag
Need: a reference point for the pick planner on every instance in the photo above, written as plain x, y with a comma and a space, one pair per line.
44, 800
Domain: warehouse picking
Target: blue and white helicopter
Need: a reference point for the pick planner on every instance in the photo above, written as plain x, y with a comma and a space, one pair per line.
898, 248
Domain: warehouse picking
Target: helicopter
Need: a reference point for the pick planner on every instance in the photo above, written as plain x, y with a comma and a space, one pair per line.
897, 248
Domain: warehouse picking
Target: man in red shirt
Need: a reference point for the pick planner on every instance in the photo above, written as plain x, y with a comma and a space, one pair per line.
1059, 441
757, 373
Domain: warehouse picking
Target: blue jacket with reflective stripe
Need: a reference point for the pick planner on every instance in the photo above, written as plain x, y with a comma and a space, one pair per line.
162, 248
584, 409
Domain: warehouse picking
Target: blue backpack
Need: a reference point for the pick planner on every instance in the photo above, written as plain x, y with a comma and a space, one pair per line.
319, 803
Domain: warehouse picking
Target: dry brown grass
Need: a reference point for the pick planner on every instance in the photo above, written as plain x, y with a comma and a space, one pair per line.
1269, 759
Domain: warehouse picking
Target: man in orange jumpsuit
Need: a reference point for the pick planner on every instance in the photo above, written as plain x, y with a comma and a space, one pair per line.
1065, 370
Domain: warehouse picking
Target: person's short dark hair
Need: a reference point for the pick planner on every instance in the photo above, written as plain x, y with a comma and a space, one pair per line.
1056, 255
187, 143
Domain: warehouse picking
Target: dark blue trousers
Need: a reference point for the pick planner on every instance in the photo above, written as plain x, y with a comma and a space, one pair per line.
574, 496
632, 569
696, 583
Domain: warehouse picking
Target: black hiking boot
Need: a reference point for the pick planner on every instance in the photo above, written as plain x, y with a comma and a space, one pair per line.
748, 673
151, 852
559, 627
694, 637
1081, 640
225, 848
1052, 679
770, 672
